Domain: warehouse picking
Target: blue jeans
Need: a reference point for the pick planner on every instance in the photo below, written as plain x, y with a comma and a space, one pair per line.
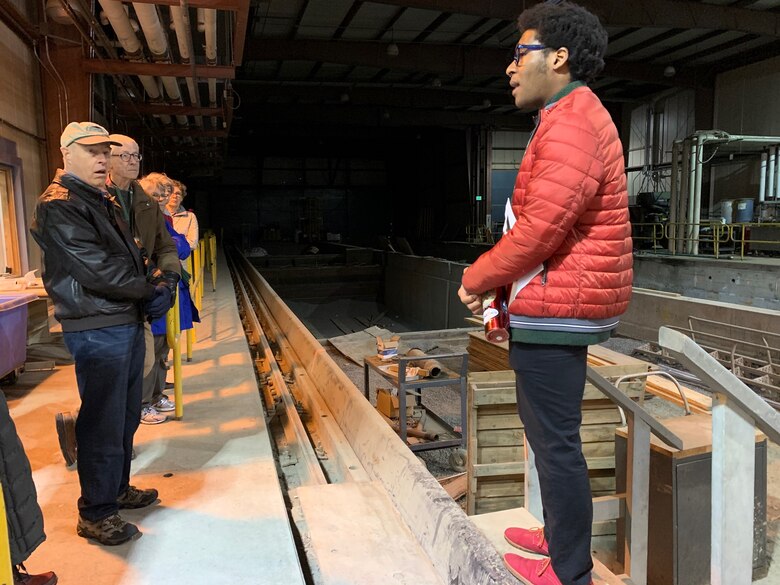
109, 372
550, 384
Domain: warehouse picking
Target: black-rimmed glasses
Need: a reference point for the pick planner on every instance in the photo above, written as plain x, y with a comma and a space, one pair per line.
522, 50
126, 156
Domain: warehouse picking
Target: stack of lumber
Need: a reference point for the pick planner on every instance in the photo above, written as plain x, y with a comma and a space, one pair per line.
486, 356
495, 454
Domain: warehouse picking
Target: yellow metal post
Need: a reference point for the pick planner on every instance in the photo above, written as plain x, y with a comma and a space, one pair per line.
213, 252
6, 573
190, 332
173, 334
196, 275
201, 272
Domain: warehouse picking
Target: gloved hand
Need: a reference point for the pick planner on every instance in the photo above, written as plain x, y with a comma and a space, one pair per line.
159, 304
171, 280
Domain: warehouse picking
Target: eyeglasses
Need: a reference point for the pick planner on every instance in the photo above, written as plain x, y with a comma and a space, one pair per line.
126, 156
161, 195
522, 50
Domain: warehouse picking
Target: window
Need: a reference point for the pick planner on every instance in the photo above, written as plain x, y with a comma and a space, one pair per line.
10, 260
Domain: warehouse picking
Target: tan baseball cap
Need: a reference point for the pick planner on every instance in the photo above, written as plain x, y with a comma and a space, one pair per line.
86, 133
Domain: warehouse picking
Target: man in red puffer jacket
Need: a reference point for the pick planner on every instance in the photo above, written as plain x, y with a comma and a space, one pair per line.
570, 208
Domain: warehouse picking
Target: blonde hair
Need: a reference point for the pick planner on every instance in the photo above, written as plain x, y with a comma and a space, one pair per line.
156, 182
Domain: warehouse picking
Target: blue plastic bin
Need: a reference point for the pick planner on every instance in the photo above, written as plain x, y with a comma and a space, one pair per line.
13, 331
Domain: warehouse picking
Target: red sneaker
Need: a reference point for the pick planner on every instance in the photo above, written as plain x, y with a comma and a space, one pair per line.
531, 540
531, 571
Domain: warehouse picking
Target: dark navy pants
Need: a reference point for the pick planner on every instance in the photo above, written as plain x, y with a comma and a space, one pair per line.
550, 384
109, 372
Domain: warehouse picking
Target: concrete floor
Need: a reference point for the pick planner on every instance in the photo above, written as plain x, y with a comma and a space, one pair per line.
221, 516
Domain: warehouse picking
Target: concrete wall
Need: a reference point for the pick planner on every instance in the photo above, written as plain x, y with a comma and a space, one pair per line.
425, 290
746, 282
21, 124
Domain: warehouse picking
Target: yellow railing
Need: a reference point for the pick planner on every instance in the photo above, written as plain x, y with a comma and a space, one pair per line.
690, 235
173, 335
195, 265
6, 572
211, 245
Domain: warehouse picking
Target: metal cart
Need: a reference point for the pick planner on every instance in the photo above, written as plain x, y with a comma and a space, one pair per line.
451, 377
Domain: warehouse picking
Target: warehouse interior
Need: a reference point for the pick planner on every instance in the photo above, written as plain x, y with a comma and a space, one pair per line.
346, 161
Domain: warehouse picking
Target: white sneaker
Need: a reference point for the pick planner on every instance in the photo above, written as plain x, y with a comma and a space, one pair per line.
164, 404
150, 416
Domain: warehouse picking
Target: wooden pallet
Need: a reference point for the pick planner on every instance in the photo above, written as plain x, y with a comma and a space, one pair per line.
495, 456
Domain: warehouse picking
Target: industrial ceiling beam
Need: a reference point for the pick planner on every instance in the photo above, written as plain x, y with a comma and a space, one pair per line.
377, 116
232, 5
641, 13
121, 67
407, 97
239, 34
439, 59
125, 108
193, 132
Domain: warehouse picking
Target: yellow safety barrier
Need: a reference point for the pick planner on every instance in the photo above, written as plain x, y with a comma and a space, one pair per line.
212, 240
201, 259
173, 335
6, 572
190, 335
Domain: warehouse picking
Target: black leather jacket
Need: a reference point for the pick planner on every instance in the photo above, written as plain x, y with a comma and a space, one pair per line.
92, 269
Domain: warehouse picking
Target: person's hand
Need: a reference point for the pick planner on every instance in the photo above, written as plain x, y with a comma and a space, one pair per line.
472, 301
171, 280
159, 304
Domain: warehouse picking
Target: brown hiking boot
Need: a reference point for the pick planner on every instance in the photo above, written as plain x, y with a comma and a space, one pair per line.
66, 433
108, 531
135, 498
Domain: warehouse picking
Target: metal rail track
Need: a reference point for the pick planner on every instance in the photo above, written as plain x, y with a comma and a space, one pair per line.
327, 433
312, 448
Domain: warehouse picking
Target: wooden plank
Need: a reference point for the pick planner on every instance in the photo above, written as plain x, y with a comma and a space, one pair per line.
351, 522
455, 485
489, 469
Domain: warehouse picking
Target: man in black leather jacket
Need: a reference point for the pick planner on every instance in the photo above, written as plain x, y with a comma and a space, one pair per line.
95, 276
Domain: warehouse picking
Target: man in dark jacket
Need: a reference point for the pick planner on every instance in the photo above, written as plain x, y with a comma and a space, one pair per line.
146, 223
96, 278
24, 516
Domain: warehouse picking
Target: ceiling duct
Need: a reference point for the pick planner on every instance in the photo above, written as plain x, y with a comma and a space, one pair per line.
157, 42
120, 22
181, 24
210, 29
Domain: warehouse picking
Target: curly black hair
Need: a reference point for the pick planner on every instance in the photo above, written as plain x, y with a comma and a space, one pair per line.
565, 24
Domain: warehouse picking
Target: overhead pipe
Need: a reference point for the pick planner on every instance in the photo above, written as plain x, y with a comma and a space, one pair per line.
762, 178
210, 29
157, 42
776, 192
691, 196
181, 24
770, 175
674, 187
120, 22
697, 199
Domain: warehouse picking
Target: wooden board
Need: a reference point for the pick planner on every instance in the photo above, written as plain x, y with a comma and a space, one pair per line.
355, 536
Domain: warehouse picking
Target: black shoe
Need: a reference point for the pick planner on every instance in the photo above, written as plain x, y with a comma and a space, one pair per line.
108, 531
66, 433
22, 577
134, 498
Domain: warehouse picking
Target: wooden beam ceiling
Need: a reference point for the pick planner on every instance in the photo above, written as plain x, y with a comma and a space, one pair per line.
122, 67
639, 13
440, 59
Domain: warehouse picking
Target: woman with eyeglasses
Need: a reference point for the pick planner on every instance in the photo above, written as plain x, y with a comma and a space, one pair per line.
184, 221
155, 402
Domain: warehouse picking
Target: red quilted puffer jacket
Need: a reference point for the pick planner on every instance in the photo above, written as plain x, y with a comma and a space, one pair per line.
571, 206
